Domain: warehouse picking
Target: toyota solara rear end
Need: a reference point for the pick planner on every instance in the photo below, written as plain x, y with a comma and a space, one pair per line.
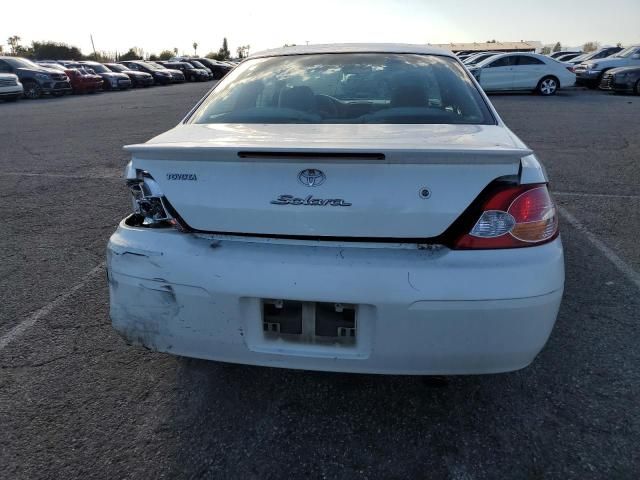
356, 208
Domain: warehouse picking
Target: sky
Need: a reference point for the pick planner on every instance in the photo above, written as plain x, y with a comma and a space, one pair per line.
272, 23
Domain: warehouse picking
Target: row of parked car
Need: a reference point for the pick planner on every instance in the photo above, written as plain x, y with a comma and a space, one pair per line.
22, 77
609, 68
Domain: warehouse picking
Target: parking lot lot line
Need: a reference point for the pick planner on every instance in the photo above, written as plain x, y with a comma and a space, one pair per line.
594, 195
620, 264
23, 326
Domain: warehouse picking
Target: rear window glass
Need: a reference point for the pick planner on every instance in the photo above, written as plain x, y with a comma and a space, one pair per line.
346, 88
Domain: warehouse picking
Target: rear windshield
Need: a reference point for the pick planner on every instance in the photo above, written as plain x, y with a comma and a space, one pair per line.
346, 88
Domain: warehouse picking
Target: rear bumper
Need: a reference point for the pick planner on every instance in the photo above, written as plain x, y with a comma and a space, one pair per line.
419, 311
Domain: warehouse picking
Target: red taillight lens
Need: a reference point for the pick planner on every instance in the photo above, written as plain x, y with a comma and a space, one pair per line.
514, 217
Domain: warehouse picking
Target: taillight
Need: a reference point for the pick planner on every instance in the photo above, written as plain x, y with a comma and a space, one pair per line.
519, 216
149, 203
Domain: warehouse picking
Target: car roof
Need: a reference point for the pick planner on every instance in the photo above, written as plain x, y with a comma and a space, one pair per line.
354, 48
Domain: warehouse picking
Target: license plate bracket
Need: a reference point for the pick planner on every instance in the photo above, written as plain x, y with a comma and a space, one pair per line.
309, 322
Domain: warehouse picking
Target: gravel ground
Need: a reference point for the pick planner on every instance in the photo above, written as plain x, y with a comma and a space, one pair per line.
76, 402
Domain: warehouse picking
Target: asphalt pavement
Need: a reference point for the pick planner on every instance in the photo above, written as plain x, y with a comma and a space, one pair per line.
77, 402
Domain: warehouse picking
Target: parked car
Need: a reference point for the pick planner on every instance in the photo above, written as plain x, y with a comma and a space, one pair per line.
36, 80
475, 59
522, 71
138, 78
590, 73
10, 87
568, 57
112, 80
82, 80
564, 52
464, 56
600, 53
622, 80
390, 223
191, 73
176, 75
197, 64
161, 76
218, 69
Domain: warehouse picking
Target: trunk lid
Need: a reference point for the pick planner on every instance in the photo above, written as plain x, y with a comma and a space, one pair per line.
385, 181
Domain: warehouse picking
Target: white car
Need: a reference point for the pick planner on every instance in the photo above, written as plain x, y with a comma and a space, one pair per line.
355, 208
523, 71
10, 87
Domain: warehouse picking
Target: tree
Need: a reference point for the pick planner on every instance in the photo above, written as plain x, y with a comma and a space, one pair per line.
165, 55
590, 47
104, 57
224, 53
134, 53
557, 47
175, 51
195, 48
14, 43
153, 57
546, 50
59, 51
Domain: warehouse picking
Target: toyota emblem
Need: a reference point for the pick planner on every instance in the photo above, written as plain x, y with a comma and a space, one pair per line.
311, 177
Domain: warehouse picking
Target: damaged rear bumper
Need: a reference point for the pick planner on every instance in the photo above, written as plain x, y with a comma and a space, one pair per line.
418, 311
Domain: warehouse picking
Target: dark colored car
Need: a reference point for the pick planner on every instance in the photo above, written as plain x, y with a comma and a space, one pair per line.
191, 73
218, 69
197, 64
603, 52
622, 80
37, 80
176, 75
138, 79
82, 81
112, 80
161, 76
